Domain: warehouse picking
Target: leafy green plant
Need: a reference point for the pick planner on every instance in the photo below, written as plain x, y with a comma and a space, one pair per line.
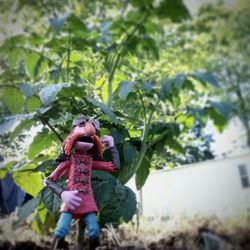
109, 67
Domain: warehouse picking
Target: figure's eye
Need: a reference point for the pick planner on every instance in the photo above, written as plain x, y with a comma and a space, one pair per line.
82, 124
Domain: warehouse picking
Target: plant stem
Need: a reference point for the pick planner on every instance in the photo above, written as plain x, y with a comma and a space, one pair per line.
110, 81
68, 57
161, 136
76, 104
118, 57
54, 131
144, 111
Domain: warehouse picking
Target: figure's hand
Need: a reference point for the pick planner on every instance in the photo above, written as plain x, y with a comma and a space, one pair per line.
71, 199
53, 176
108, 141
111, 168
104, 165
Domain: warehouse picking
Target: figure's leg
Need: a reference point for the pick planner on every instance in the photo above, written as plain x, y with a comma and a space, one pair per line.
62, 228
93, 230
63, 225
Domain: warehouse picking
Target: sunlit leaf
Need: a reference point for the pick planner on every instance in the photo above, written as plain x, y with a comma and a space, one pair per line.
13, 98
43, 140
31, 60
125, 88
48, 94
33, 103
206, 78
30, 182
224, 108
219, 120
13, 57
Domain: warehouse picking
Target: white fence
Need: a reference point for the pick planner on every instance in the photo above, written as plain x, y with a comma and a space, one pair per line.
217, 187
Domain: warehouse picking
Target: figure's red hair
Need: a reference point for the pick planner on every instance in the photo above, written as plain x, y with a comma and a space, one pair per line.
98, 144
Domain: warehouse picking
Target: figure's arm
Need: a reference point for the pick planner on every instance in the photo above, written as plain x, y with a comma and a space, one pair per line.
59, 171
115, 157
113, 166
70, 198
55, 175
108, 141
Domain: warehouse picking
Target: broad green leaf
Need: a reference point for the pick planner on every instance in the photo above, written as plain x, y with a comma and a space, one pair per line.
77, 25
128, 205
105, 93
45, 165
51, 201
116, 202
25, 211
224, 108
43, 140
199, 114
219, 120
75, 56
142, 173
31, 60
24, 124
100, 81
57, 22
13, 98
206, 78
40, 67
125, 88
13, 57
129, 153
174, 144
172, 9
48, 93
141, 4
105, 109
119, 134
37, 225
33, 103
28, 181
188, 121
29, 89
3, 172
147, 87
4, 169
150, 45
102, 181
166, 89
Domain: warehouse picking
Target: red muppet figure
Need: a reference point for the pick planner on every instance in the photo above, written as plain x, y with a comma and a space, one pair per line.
78, 199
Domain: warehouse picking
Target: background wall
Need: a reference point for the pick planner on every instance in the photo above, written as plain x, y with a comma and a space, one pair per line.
208, 188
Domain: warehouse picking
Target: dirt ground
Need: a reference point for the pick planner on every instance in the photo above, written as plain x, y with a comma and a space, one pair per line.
181, 234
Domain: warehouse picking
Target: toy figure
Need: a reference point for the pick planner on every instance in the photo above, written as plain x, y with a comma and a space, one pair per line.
78, 199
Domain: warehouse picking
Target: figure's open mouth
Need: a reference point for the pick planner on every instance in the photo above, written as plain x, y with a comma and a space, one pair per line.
86, 139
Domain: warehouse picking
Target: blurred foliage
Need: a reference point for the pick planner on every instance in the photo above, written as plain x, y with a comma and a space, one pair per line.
143, 68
